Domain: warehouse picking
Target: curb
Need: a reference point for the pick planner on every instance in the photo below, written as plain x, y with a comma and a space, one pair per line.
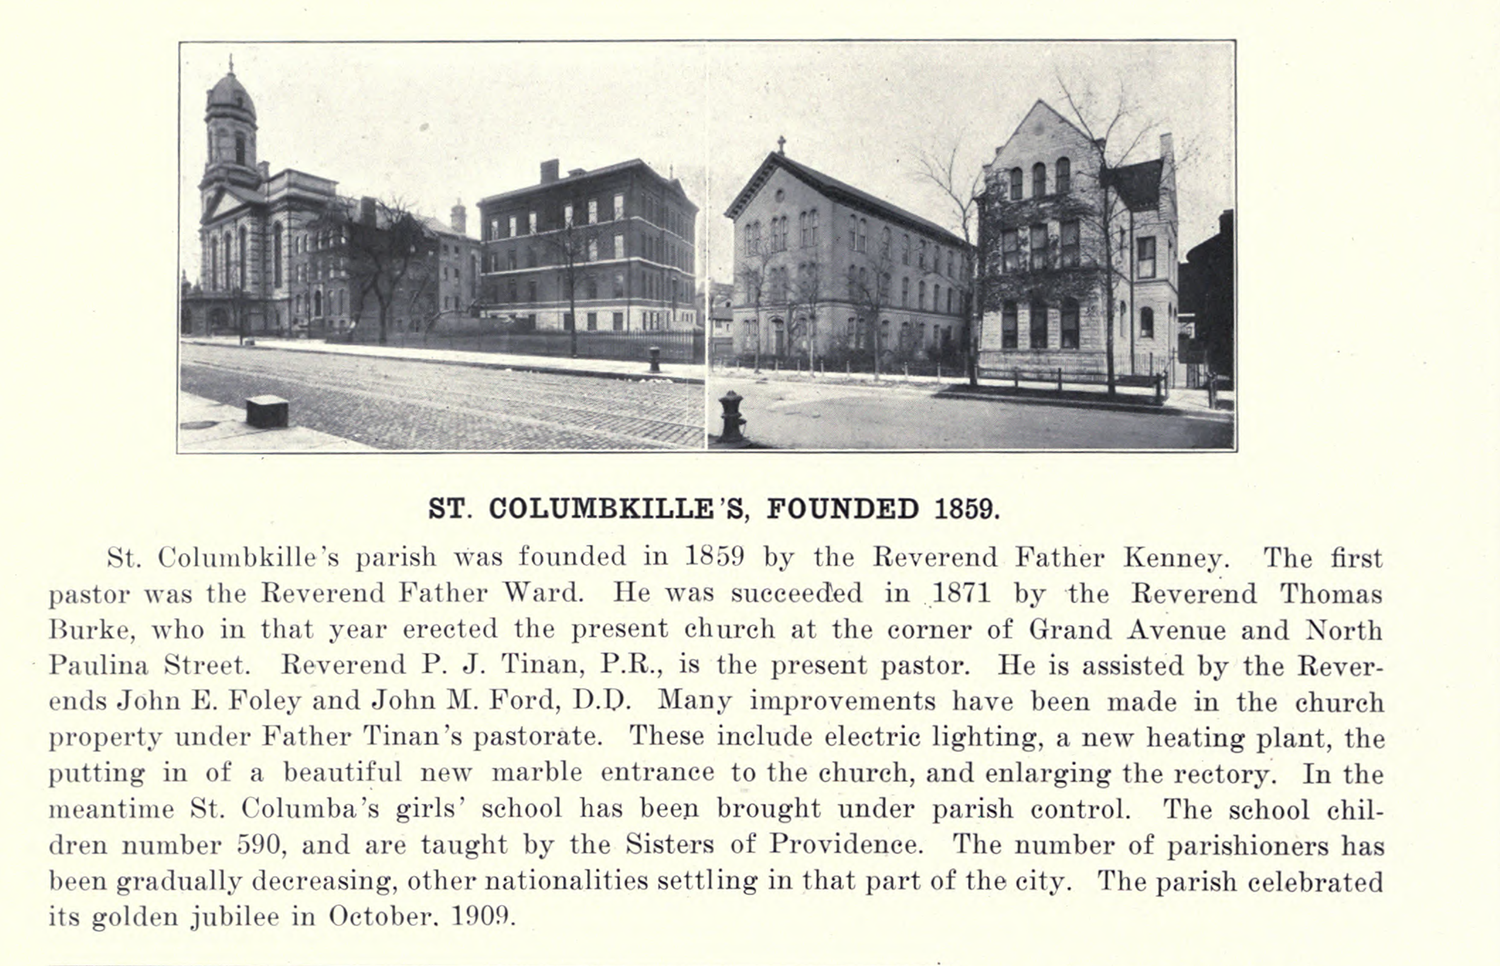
479, 364
1163, 410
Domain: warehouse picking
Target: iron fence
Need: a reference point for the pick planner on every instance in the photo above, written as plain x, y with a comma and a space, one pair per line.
680, 347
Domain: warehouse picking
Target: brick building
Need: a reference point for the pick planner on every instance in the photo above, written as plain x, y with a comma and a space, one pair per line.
1207, 279
620, 237
1044, 261
823, 269
273, 258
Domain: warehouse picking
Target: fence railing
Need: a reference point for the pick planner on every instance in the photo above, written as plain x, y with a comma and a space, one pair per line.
681, 347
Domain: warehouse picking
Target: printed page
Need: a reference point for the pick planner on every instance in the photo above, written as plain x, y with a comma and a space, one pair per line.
659, 494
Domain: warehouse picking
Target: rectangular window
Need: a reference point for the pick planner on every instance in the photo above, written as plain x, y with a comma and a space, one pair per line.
531, 223
1038, 247
1008, 326
619, 207
494, 228
905, 292
1068, 334
593, 211
567, 216
1145, 262
1010, 246
512, 227
1069, 246
619, 246
593, 249
619, 322
592, 321
1039, 325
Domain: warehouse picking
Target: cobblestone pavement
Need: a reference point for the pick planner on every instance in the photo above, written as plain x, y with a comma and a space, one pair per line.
399, 404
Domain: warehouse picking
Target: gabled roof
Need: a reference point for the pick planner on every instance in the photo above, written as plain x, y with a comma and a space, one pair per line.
1138, 184
1042, 105
574, 179
838, 191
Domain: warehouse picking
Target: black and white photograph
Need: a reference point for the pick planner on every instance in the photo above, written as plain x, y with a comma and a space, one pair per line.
814, 245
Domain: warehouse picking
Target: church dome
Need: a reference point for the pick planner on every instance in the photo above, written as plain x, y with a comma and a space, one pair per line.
230, 96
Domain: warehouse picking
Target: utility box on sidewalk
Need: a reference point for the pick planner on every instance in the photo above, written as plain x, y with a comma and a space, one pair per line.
267, 412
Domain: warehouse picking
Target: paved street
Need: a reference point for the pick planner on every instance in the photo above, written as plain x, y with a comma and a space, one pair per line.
831, 415
411, 405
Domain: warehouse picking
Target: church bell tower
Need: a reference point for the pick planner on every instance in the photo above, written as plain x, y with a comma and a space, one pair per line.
230, 120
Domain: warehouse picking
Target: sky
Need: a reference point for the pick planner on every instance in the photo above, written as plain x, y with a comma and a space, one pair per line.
435, 123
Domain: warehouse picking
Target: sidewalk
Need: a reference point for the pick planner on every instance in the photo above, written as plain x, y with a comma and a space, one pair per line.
205, 426
599, 368
1178, 402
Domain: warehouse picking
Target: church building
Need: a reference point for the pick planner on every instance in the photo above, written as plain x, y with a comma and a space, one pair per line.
274, 263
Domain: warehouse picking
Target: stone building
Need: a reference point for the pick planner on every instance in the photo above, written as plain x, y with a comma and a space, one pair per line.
621, 237
274, 260
823, 269
1046, 262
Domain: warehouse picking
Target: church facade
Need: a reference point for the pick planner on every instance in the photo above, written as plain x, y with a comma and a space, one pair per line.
275, 262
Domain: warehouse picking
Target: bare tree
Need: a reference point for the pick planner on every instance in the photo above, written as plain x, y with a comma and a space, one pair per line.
960, 187
571, 251
755, 281
1108, 124
870, 290
803, 301
381, 245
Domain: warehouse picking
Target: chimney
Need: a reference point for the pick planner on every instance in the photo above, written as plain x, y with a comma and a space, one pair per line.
1166, 145
458, 217
367, 211
549, 171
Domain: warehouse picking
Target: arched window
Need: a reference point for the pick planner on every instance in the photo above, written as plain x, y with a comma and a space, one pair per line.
318, 304
1148, 324
1068, 335
1064, 176
1039, 325
213, 263
853, 231
922, 295
228, 260
276, 253
885, 242
1015, 184
1038, 180
239, 147
863, 231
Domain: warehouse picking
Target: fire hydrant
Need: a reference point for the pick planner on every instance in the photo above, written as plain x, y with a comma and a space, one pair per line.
655, 358
732, 418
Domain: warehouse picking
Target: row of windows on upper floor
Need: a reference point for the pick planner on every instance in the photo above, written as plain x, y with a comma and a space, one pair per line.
224, 257
645, 284
1041, 253
650, 247
1067, 324
857, 240
533, 221
1062, 184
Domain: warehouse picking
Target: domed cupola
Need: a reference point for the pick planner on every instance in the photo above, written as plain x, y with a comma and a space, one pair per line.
230, 118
